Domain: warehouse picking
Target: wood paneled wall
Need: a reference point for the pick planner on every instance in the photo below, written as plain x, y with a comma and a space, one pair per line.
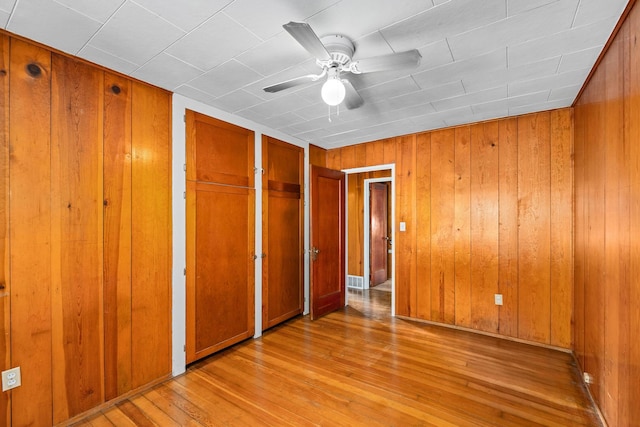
85, 203
607, 227
488, 209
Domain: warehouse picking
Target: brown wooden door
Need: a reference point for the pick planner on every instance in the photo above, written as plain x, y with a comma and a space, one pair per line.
327, 241
220, 235
378, 232
282, 231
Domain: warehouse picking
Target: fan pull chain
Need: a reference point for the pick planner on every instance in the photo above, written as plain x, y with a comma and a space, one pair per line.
329, 112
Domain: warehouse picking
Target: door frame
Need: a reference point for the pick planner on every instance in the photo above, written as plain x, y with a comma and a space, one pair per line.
367, 229
390, 167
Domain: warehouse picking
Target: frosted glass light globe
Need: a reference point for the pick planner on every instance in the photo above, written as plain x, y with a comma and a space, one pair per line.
333, 91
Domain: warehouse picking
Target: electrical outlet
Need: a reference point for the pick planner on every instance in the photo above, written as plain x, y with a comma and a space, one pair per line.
498, 299
11, 379
588, 379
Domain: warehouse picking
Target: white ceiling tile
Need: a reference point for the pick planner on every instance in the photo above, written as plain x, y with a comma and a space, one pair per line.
476, 82
278, 106
592, 10
442, 21
184, 14
386, 90
515, 7
98, 10
225, 79
274, 55
193, 93
550, 82
7, 5
480, 65
266, 18
53, 24
237, 100
426, 95
567, 92
277, 122
533, 108
471, 98
581, 59
135, 34
564, 42
211, 44
167, 72
107, 60
356, 18
548, 19
4, 18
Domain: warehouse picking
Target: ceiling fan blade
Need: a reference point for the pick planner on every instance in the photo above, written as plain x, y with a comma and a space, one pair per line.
392, 61
352, 98
302, 32
293, 82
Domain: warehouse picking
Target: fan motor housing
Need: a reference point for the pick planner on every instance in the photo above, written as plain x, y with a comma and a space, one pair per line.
339, 47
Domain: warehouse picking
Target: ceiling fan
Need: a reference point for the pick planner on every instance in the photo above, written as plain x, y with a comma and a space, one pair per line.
334, 54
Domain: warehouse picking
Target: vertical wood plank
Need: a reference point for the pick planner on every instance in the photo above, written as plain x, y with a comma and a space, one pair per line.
423, 226
355, 224
30, 232
534, 228
334, 159
374, 153
484, 225
405, 212
348, 156
389, 150
5, 279
77, 237
595, 238
561, 226
317, 156
151, 234
117, 235
442, 226
508, 226
632, 393
361, 155
614, 263
462, 226
624, 402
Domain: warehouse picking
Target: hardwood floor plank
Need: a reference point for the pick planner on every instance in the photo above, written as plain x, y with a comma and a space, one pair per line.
361, 367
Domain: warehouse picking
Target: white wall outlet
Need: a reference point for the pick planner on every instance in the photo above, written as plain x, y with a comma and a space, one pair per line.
588, 379
11, 379
403, 226
498, 299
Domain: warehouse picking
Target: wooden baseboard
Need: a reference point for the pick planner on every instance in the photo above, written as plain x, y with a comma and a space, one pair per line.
489, 334
113, 402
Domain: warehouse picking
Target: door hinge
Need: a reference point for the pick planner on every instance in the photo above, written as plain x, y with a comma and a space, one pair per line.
184, 195
255, 171
184, 167
184, 117
184, 271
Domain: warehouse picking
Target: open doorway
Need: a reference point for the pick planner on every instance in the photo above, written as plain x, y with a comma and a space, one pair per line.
370, 263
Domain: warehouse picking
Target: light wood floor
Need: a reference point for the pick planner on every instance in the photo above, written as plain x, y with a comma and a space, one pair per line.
359, 366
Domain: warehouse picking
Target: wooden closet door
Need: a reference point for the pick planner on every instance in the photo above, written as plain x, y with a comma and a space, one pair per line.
282, 231
220, 235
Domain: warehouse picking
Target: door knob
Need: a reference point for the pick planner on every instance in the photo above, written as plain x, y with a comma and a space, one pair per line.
314, 253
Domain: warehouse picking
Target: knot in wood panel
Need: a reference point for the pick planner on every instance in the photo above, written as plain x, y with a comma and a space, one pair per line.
34, 70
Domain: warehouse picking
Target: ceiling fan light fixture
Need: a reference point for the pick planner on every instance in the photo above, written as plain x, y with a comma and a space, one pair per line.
333, 91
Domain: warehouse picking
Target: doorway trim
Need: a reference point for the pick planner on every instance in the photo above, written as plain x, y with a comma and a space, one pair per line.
392, 168
367, 229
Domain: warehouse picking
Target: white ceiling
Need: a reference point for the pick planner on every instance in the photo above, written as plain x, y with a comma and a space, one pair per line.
481, 59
